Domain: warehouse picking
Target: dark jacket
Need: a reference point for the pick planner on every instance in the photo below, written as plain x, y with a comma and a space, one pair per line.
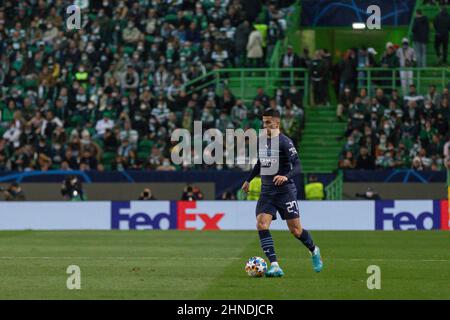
348, 69
391, 60
295, 60
241, 37
421, 29
442, 24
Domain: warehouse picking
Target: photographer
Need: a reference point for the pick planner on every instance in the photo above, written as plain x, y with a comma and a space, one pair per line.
191, 193
72, 189
370, 194
13, 193
146, 195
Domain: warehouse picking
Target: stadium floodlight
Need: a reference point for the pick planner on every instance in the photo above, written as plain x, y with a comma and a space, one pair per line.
358, 25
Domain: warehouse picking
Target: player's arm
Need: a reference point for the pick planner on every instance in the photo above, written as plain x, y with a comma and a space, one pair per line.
255, 172
296, 167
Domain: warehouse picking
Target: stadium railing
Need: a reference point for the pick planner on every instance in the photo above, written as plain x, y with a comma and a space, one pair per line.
244, 83
389, 78
334, 189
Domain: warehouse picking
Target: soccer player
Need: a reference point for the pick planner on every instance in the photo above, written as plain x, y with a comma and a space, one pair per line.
278, 192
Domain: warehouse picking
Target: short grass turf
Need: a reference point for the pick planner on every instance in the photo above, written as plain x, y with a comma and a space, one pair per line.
210, 265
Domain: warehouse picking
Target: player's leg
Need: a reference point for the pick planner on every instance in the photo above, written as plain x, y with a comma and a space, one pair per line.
295, 227
263, 221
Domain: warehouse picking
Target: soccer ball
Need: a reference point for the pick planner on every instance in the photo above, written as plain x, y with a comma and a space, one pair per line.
256, 267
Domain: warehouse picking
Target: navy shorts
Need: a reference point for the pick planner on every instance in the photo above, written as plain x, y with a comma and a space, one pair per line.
285, 203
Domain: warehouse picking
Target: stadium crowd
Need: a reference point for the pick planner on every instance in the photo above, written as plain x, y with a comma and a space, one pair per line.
107, 96
395, 128
391, 131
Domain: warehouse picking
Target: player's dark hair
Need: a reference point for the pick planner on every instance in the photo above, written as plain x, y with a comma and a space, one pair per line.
271, 113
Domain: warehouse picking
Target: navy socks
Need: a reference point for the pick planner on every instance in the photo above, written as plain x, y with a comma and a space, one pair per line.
306, 239
267, 245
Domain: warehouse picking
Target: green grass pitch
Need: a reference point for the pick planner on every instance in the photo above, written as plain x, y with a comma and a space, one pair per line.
210, 265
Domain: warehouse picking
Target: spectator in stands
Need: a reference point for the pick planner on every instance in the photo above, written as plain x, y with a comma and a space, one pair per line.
317, 74
420, 32
407, 59
103, 124
442, 27
347, 161
274, 33
388, 60
433, 96
289, 60
345, 100
166, 165
348, 72
262, 97
255, 53
365, 59
241, 39
414, 96
364, 160
238, 113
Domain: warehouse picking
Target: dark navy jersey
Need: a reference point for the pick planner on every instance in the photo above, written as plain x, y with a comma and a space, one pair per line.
276, 158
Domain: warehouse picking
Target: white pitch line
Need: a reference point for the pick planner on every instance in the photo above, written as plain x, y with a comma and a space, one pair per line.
212, 258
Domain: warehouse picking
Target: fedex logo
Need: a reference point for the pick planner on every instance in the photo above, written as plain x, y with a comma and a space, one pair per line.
411, 215
144, 216
196, 220
160, 215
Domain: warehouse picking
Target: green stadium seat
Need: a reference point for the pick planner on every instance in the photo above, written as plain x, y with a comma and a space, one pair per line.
91, 131
99, 142
75, 120
145, 145
108, 158
142, 155
171, 18
129, 50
